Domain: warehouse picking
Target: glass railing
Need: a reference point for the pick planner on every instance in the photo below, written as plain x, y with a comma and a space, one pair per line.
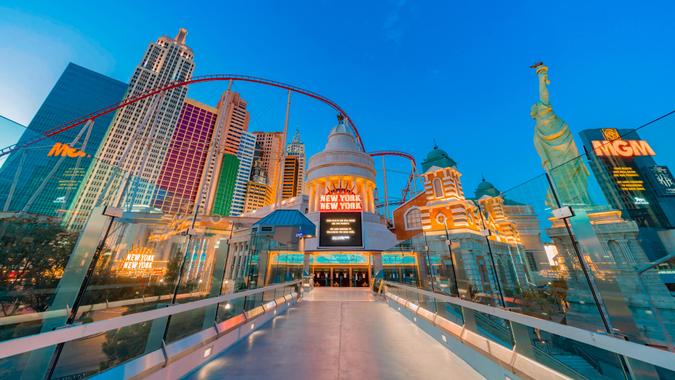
562, 350
101, 350
588, 244
84, 239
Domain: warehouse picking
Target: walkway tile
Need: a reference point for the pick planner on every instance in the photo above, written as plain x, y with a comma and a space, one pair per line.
338, 334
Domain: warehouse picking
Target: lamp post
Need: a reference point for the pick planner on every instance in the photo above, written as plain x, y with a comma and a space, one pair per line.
452, 257
430, 267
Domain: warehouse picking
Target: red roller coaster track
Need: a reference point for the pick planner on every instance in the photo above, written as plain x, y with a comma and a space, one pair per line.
204, 78
411, 178
214, 78
395, 153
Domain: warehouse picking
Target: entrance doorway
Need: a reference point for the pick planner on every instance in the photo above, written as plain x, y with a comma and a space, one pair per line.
360, 277
341, 276
322, 277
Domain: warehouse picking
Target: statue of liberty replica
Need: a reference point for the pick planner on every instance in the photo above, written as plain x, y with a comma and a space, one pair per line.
558, 151
609, 242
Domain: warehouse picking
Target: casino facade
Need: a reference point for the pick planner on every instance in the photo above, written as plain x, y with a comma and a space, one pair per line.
341, 203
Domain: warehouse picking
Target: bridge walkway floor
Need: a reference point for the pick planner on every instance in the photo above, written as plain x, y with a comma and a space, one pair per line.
337, 333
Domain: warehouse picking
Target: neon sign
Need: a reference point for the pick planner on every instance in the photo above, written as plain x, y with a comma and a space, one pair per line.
138, 259
613, 145
622, 148
65, 150
338, 200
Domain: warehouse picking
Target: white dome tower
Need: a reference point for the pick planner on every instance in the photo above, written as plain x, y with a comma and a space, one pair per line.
343, 168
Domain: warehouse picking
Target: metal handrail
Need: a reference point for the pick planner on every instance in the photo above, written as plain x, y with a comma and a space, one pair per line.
33, 342
24, 318
651, 355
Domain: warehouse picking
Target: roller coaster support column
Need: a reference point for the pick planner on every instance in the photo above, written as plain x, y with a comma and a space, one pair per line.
282, 156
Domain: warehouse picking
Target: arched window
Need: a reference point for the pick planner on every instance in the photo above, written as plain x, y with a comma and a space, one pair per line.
413, 219
438, 188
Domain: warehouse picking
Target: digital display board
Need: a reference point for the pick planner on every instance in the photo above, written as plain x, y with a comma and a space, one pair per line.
340, 229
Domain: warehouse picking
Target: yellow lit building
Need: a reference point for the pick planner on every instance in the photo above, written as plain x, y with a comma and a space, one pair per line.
291, 177
443, 209
258, 195
269, 152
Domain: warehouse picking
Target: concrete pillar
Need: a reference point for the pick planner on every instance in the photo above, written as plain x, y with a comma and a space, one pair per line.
317, 195
306, 263
365, 190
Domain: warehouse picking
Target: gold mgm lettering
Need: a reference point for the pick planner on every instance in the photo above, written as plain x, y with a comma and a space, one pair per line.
622, 148
65, 150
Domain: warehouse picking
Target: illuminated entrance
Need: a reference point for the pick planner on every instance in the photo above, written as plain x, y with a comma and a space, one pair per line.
344, 268
341, 269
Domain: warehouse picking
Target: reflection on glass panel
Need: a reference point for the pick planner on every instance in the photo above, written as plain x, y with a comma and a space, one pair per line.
137, 270
85, 357
229, 309
619, 240
187, 323
451, 312
494, 328
567, 356
556, 287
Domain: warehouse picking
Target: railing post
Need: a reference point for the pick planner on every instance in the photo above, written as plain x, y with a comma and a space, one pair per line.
70, 290
217, 278
469, 318
522, 339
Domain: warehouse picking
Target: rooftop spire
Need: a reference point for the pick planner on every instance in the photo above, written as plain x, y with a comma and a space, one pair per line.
296, 137
180, 37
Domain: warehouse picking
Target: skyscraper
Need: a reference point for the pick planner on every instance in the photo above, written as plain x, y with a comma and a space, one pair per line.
182, 171
43, 178
269, 151
632, 181
139, 138
289, 186
296, 152
221, 179
232, 109
258, 191
245, 156
222, 200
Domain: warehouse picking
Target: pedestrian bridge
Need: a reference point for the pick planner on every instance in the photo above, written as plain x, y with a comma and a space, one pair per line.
338, 333
291, 331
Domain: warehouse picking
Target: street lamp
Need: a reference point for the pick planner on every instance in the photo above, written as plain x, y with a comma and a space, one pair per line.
452, 257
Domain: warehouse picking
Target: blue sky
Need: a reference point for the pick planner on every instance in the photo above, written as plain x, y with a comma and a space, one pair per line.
407, 72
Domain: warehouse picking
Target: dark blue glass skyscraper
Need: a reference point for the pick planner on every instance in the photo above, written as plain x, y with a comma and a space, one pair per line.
42, 178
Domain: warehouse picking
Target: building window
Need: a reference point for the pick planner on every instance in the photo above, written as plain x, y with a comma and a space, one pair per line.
438, 188
413, 219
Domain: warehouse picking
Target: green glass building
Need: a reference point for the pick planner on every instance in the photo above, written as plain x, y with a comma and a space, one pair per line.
222, 201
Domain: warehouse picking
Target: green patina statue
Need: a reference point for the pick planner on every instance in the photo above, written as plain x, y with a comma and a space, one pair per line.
557, 149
